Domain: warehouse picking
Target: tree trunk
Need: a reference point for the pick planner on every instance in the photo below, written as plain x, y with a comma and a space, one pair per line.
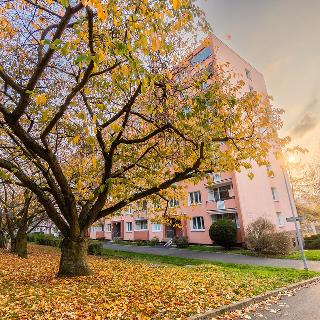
13, 242
21, 244
73, 260
3, 240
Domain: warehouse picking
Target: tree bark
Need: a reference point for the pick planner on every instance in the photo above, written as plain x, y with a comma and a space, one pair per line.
21, 244
13, 242
73, 261
3, 240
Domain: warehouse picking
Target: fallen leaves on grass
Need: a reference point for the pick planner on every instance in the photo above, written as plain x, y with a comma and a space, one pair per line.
118, 288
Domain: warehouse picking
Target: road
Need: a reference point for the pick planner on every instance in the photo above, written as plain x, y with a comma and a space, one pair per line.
304, 305
215, 256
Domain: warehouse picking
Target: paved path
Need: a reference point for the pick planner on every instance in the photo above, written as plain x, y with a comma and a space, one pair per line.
215, 256
304, 305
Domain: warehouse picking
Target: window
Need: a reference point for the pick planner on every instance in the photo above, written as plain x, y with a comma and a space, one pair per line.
194, 197
173, 203
230, 216
280, 219
248, 74
210, 195
201, 56
216, 177
128, 210
156, 227
108, 227
129, 226
274, 194
270, 172
220, 193
197, 223
141, 224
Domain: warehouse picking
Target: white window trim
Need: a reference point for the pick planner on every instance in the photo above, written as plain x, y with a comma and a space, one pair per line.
152, 225
196, 230
129, 231
135, 226
107, 229
274, 193
281, 218
194, 203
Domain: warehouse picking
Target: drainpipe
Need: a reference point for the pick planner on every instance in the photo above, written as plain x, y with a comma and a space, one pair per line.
298, 232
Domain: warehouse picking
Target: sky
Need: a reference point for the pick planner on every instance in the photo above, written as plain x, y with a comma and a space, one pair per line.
280, 38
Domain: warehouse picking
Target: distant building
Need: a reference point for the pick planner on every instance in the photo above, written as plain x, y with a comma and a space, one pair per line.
47, 227
232, 195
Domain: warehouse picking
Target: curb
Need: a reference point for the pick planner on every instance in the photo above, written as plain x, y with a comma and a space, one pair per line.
246, 302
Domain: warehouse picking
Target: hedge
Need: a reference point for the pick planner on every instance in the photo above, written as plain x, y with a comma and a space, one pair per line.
94, 246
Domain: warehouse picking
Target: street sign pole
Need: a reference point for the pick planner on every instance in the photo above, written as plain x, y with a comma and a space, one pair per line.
295, 220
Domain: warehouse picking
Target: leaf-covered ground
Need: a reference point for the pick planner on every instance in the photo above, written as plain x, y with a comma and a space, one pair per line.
125, 288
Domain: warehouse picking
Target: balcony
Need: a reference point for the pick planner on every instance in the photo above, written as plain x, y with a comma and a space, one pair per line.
221, 205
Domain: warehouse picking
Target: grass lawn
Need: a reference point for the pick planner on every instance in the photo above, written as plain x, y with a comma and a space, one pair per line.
128, 286
296, 255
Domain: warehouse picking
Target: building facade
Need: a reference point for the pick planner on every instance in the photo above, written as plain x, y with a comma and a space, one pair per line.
231, 195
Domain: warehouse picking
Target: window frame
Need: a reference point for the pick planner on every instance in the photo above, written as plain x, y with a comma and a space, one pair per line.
140, 221
280, 219
274, 193
201, 56
248, 74
156, 224
108, 227
173, 203
127, 224
191, 199
198, 221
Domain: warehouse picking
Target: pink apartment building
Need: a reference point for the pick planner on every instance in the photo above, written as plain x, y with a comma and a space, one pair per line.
232, 195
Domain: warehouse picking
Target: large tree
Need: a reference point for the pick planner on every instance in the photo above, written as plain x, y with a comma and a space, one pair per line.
20, 213
99, 108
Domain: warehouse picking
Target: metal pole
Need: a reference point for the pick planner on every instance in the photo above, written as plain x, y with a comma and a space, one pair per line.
299, 236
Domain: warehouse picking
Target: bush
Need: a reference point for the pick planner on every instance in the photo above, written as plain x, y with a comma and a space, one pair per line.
224, 233
95, 248
181, 242
261, 237
257, 235
280, 243
313, 237
312, 244
44, 239
141, 242
117, 240
154, 241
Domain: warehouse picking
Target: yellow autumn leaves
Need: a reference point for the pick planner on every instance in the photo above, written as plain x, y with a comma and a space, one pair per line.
41, 99
120, 289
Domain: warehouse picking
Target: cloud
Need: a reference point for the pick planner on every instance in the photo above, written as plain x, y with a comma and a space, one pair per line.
312, 105
306, 124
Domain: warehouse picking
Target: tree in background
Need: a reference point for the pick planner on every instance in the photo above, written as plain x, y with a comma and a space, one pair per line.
98, 109
20, 213
305, 180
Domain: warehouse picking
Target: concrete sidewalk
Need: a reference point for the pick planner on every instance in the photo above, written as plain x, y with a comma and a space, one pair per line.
215, 256
304, 305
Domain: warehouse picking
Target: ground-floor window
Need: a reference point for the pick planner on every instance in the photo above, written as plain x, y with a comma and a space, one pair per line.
141, 224
197, 223
230, 216
108, 227
280, 218
156, 227
129, 226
